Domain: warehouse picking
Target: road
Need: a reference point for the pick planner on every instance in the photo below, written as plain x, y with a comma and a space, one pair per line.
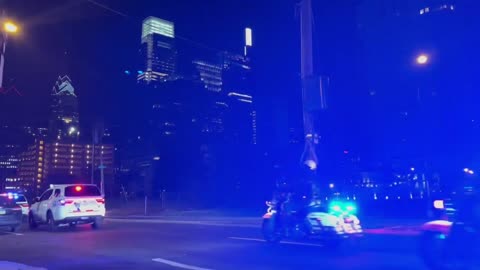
137, 244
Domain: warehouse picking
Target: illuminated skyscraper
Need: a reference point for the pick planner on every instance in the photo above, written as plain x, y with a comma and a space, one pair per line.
238, 87
210, 75
158, 50
64, 121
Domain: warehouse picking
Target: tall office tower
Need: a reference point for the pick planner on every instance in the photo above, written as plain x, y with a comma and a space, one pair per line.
158, 51
237, 84
64, 121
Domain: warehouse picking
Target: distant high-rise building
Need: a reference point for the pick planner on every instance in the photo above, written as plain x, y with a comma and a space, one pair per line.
158, 51
210, 74
57, 162
238, 87
64, 121
248, 40
241, 121
236, 73
9, 162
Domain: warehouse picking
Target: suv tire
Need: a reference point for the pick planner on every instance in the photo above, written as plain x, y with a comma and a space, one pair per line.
32, 224
98, 223
52, 226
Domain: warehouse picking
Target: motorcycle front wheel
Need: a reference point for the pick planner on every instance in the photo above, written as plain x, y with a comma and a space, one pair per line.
270, 231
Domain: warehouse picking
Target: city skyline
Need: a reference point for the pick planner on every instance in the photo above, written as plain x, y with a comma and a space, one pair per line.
362, 86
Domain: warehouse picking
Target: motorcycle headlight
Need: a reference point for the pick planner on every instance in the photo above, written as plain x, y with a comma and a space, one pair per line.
350, 208
342, 208
336, 208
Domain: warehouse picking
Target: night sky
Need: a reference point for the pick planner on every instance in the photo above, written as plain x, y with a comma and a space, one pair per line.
366, 47
94, 46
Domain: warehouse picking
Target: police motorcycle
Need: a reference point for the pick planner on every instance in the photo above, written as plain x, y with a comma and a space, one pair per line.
334, 224
452, 240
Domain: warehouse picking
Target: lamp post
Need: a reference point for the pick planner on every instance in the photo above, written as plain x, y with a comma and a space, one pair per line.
8, 27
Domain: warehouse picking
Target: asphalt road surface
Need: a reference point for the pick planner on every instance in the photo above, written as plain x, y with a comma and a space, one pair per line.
125, 244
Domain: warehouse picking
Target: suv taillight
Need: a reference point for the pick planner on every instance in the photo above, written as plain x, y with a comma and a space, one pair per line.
439, 204
101, 201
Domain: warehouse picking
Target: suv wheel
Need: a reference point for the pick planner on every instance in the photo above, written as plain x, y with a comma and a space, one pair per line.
98, 223
32, 224
14, 228
51, 222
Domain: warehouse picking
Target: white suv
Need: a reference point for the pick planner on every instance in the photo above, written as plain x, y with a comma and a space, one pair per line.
68, 204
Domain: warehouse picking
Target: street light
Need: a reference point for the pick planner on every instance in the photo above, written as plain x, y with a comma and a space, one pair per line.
10, 27
422, 59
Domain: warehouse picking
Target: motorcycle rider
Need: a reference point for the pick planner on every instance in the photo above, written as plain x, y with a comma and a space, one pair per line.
293, 202
464, 245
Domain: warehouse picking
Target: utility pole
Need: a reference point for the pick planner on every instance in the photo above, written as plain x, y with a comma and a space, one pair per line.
97, 134
6, 28
102, 167
94, 139
2, 49
313, 88
313, 96
2, 57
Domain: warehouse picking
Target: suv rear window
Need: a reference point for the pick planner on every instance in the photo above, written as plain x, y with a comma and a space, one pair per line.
6, 202
79, 191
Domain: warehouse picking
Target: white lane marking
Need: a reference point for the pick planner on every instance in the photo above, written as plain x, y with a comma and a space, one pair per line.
247, 239
179, 265
281, 242
4, 265
205, 223
13, 233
